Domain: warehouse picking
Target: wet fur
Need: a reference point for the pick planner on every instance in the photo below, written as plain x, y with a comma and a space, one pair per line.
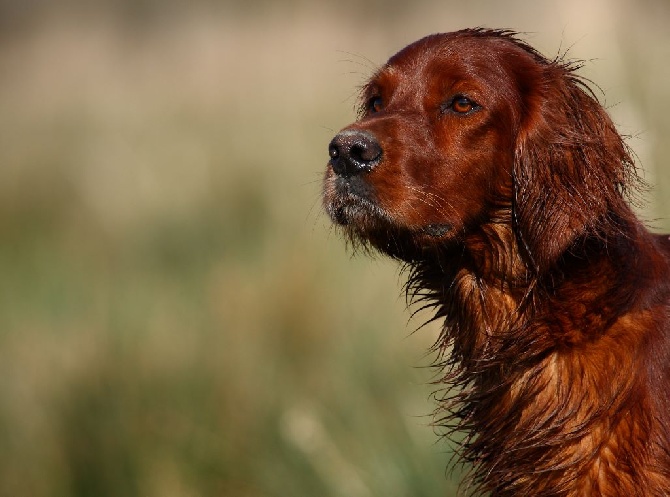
555, 348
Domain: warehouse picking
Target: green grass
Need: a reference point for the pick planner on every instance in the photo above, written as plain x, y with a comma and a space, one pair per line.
177, 316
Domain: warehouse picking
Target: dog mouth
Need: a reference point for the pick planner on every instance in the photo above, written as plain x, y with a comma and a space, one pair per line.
352, 203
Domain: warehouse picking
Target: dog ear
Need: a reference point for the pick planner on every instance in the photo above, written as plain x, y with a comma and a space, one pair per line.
571, 169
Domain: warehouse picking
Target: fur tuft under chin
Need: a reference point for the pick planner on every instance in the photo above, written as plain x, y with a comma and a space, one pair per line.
553, 354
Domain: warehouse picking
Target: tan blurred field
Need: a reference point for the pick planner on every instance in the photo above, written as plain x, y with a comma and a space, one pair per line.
177, 316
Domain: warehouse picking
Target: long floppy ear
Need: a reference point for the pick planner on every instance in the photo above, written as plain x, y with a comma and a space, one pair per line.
571, 168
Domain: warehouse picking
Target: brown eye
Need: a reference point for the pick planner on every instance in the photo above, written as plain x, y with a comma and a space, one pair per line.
462, 105
376, 104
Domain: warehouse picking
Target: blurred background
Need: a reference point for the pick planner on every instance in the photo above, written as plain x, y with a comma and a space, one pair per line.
177, 316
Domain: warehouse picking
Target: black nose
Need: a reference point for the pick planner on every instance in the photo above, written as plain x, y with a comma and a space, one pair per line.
354, 152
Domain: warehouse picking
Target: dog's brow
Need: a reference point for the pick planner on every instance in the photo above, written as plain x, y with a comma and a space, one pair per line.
501, 182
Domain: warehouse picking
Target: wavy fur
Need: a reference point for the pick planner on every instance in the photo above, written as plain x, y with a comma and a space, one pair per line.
514, 221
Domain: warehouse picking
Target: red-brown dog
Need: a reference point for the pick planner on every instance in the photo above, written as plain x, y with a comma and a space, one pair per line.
498, 178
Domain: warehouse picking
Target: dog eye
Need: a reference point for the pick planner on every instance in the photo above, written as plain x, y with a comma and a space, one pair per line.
461, 104
375, 104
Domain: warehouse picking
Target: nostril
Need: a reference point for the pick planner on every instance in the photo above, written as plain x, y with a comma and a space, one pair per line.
333, 151
366, 151
354, 152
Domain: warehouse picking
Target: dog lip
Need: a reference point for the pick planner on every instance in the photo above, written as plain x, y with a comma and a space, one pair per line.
348, 207
353, 187
353, 202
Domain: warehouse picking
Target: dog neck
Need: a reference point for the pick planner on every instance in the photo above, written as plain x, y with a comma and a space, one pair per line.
522, 386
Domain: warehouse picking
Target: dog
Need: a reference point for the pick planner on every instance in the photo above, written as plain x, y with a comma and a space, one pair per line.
498, 179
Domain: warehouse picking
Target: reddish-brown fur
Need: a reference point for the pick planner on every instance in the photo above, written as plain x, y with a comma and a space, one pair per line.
498, 178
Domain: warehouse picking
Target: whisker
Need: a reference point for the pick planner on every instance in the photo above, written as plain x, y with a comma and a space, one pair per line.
363, 60
551, 294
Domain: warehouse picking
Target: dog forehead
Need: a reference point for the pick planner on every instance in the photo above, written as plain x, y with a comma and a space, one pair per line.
441, 61
442, 56
443, 46
417, 73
